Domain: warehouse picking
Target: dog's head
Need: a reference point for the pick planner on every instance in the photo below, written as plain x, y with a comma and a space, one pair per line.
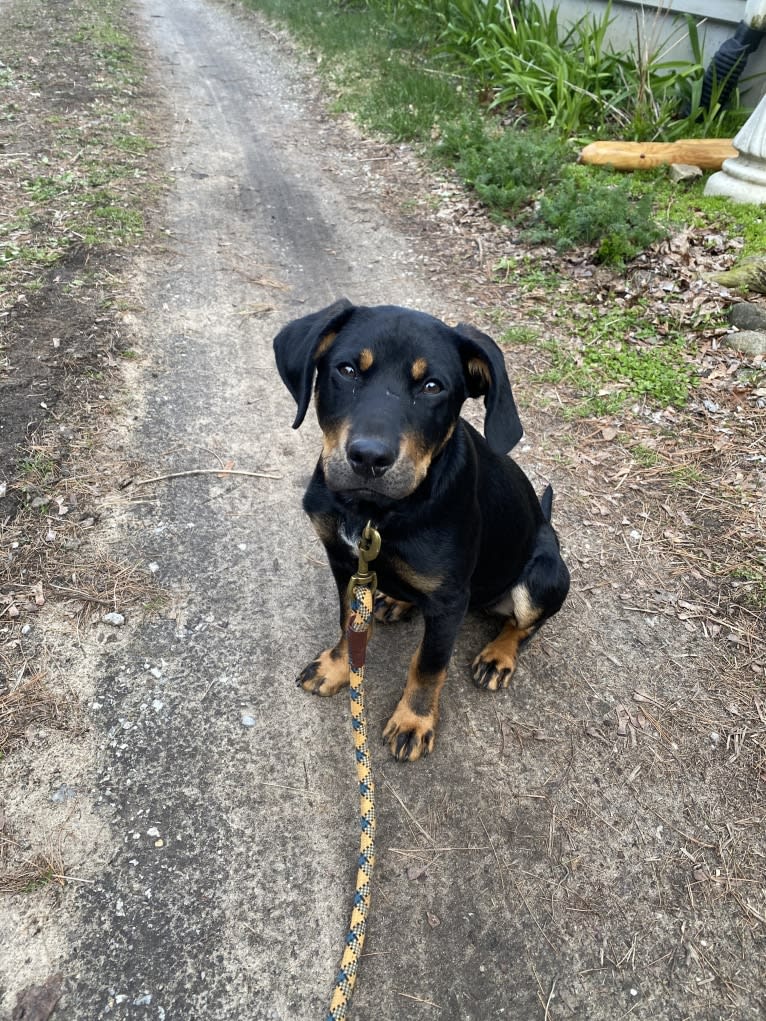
390, 383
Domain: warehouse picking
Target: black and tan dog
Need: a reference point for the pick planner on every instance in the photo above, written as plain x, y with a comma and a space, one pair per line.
459, 521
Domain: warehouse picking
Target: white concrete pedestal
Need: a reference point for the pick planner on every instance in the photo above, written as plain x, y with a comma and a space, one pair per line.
743, 178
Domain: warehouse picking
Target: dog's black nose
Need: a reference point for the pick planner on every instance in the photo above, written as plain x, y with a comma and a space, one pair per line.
370, 458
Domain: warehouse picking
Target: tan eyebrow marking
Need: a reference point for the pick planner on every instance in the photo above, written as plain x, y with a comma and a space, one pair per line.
419, 368
365, 359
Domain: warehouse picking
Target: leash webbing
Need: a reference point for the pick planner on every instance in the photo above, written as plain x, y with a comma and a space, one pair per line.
360, 620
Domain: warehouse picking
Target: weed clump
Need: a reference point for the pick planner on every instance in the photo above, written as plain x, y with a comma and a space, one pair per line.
605, 214
507, 168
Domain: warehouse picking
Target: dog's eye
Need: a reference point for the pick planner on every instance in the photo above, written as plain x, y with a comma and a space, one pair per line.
431, 387
347, 370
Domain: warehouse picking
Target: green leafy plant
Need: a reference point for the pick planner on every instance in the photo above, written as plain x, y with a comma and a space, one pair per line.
506, 168
583, 210
568, 77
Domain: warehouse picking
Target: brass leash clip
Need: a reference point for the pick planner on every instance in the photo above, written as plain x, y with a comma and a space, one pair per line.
368, 549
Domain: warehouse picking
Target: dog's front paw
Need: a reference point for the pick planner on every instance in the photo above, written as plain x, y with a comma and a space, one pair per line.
327, 674
388, 610
409, 735
493, 668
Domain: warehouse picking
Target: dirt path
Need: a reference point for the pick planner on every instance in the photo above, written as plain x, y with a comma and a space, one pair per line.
569, 851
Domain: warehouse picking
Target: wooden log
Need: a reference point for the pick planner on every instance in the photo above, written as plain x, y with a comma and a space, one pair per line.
706, 153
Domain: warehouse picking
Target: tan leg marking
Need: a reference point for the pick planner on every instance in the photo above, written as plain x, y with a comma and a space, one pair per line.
328, 673
388, 610
411, 730
494, 666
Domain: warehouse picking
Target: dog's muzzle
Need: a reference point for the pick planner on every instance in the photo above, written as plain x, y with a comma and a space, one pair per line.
371, 468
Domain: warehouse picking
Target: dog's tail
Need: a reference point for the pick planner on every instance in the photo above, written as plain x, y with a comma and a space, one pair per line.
546, 502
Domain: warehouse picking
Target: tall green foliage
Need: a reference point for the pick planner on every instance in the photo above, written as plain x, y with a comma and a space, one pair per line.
568, 78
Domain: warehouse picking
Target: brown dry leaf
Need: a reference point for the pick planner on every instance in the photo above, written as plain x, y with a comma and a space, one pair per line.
37, 1003
623, 720
417, 873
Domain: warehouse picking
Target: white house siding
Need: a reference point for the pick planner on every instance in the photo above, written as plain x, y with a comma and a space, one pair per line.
662, 23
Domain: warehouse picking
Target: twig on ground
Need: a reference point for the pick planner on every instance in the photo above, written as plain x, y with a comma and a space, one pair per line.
220, 472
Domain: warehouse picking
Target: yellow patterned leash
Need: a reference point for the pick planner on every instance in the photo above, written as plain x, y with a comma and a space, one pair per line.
360, 593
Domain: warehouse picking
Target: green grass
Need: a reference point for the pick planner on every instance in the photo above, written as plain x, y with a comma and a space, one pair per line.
81, 180
380, 61
41, 880
37, 467
527, 274
645, 456
622, 358
519, 335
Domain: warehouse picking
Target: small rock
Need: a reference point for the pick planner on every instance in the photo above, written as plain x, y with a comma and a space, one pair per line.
247, 720
747, 316
153, 832
64, 793
115, 619
751, 342
684, 172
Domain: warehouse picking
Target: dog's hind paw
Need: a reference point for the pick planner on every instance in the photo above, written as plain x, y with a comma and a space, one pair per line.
492, 672
388, 610
494, 666
327, 674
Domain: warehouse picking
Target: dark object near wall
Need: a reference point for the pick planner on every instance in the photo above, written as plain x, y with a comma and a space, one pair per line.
728, 63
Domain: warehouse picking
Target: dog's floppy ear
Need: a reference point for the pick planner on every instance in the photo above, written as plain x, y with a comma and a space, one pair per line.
298, 346
485, 375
